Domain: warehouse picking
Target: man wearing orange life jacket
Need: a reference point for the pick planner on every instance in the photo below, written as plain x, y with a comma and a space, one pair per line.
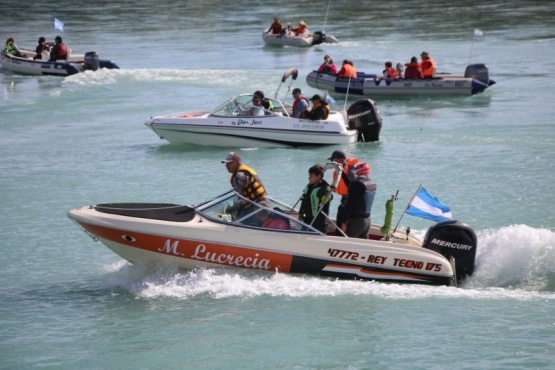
427, 65
300, 104
348, 175
59, 51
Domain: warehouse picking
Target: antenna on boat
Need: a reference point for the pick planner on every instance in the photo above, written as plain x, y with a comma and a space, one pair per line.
326, 19
347, 95
394, 197
477, 33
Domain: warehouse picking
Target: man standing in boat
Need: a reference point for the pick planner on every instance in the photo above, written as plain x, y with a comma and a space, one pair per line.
358, 207
347, 176
245, 181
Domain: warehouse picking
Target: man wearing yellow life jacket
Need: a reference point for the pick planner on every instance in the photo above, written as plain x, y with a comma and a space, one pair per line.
347, 175
320, 109
246, 182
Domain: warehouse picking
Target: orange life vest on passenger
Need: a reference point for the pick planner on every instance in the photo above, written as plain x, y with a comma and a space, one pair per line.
347, 70
428, 67
390, 72
342, 188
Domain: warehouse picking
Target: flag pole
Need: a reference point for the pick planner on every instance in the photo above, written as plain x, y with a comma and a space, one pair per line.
407, 207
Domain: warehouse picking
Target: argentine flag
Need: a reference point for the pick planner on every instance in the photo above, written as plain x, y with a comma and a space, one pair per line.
425, 205
58, 25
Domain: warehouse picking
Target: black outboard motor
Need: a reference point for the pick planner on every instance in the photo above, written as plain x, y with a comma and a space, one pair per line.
364, 116
318, 37
478, 72
456, 239
91, 61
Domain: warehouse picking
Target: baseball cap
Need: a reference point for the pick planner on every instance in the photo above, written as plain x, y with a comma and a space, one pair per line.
338, 154
232, 156
316, 97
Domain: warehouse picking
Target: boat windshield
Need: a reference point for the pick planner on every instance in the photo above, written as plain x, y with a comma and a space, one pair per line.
241, 106
232, 208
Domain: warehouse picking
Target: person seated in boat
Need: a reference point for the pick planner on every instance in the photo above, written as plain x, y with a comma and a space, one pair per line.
389, 71
299, 31
59, 51
328, 66
317, 195
300, 104
42, 46
360, 197
245, 181
428, 66
276, 27
266, 103
412, 69
347, 69
320, 109
11, 48
270, 220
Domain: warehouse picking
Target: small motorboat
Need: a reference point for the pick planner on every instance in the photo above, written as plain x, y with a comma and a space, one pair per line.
475, 80
75, 63
208, 235
303, 41
231, 125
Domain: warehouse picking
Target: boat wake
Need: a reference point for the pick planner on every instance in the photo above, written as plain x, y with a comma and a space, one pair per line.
515, 262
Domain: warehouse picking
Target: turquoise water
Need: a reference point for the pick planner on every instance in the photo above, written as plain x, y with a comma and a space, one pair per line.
67, 302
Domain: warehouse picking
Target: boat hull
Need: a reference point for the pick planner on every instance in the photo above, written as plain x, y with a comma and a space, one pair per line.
372, 85
27, 66
198, 242
303, 41
269, 131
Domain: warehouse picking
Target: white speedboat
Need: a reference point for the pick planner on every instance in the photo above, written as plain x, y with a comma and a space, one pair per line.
75, 63
205, 235
230, 124
475, 80
304, 40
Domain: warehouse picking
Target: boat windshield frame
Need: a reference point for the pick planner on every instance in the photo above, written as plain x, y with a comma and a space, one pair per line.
223, 209
238, 106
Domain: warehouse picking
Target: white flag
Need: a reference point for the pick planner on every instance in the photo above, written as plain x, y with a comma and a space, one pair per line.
58, 25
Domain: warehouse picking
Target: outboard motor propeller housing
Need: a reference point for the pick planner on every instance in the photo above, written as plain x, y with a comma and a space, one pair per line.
455, 239
364, 116
318, 37
479, 72
91, 61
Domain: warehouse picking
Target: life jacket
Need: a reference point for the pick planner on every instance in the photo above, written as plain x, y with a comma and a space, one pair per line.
276, 28
348, 70
10, 49
389, 72
427, 67
254, 189
299, 31
296, 103
413, 70
315, 107
62, 51
342, 187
